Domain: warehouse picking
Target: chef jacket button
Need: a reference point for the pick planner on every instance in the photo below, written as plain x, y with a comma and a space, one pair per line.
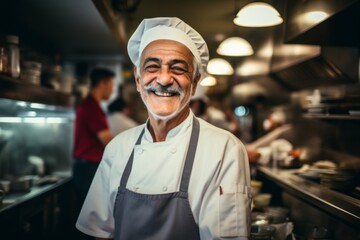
135, 188
164, 189
140, 151
173, 150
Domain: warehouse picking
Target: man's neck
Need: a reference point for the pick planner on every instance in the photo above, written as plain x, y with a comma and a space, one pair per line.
159, 128
96, 95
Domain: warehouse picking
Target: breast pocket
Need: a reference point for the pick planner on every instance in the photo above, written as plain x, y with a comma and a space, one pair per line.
234, 210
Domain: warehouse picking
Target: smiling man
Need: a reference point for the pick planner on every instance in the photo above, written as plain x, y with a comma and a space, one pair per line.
176, 176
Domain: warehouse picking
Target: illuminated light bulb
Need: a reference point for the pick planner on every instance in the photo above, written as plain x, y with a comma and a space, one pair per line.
258, 14
235, 46
219, 66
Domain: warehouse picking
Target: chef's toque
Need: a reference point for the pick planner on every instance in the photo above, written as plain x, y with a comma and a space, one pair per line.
168, 28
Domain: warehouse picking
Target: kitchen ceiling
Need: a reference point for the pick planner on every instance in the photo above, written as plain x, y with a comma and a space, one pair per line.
213, 19
67, 27
77, 28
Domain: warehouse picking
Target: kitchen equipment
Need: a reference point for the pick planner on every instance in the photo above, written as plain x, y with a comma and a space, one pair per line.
260, 218
32, 72
277, 214
3, 59
280, 149
338, 179
13, 51
312, 232
262, 200
255, 187
262, 232
5, 185
21, 184
2, 195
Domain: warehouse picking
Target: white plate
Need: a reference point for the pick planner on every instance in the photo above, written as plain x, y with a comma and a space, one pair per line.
354, 112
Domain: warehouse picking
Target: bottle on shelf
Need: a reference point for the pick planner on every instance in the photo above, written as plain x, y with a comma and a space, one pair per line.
13, 55
3, 59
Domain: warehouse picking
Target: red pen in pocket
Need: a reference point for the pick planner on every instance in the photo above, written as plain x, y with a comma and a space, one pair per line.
221, 190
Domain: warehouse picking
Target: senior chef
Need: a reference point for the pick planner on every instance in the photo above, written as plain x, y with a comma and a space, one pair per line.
176, 176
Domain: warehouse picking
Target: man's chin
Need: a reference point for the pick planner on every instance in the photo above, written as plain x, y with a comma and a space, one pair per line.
162, 116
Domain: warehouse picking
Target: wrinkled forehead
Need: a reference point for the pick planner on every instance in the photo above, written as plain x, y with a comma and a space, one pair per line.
166, 50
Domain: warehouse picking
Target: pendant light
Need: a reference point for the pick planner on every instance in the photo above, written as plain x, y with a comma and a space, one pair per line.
258, 14
235, 46
219, 66
208, 81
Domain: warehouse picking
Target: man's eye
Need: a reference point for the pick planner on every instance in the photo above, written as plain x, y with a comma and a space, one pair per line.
152, 68
178, 70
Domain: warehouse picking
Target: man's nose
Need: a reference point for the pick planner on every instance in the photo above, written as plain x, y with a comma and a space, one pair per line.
165, 77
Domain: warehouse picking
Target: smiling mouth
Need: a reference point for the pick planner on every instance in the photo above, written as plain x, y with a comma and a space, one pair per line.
165, 94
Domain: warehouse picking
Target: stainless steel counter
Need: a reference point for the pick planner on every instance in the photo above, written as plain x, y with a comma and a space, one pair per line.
14, 199
339, 205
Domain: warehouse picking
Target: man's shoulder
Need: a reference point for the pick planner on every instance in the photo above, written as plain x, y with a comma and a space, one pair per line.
207, 127
122, 142
128, 135
212, 132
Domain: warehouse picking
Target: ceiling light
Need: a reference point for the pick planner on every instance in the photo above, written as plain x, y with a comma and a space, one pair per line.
208, 81
219, 66
314, 17
235, 46
258, 14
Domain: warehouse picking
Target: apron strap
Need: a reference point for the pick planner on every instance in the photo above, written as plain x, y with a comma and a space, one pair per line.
128, 167
190, 155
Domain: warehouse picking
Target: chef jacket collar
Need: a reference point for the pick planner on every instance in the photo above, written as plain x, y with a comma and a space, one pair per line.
176, 131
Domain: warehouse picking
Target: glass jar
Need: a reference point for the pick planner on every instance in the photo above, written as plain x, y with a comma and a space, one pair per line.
3, 60
13, 53
31, 72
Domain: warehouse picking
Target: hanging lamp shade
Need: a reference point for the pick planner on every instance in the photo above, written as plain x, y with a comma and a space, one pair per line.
219, 66
258, 14
314, 17
208, 81
235, 46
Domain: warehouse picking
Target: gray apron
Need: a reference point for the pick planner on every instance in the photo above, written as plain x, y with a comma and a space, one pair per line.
157, 217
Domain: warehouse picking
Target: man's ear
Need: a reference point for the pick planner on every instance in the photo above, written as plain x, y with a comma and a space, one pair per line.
137, 80
194, 86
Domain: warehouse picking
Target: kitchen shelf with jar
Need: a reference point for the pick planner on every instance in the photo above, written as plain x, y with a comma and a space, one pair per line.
15, 89
344, 108
332, 116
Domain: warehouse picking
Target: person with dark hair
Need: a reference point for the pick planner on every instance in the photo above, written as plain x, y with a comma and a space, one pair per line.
119, 116
91, 131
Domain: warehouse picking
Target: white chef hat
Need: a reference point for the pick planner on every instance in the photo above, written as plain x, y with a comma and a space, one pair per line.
168, 28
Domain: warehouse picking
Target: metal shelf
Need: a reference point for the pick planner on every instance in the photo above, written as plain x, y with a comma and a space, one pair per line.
18, 90
332, 116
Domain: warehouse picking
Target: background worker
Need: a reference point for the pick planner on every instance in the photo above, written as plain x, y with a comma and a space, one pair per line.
91, 131
119, 116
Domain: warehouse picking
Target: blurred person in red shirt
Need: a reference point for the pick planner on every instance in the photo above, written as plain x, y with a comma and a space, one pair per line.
92, 131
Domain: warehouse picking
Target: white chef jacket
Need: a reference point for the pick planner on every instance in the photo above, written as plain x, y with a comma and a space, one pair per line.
219, 187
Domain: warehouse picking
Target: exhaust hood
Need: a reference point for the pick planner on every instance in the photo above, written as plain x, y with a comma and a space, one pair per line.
332, 65
324, 54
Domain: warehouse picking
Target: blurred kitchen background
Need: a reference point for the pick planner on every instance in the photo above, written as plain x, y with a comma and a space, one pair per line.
304, 69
